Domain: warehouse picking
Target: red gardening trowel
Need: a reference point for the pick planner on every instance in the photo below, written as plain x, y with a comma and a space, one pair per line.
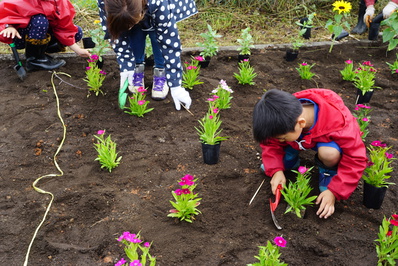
18, 67
274, 204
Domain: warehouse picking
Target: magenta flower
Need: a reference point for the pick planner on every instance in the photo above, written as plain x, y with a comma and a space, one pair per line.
102, 72
245, 60
147, 244
389, 155
394, 222
396, 70
135, 263
216, 96
302, 169
173, 211
280, 241
304, 64
395, 216
215, 110
199, 58
365, 119
367, 63
186, 191
210, 99
178, 192
94, 57
120, 262
376, 143
348, 61
210, 117
191, 67
88, 68
141, 89
136, 240
141, 102
187, 177
370, 164
100, 132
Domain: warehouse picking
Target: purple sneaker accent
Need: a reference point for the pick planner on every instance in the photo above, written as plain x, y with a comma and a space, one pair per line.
138, 80
158, 83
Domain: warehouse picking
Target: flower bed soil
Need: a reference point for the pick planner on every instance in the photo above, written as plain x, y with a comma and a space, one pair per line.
92, 207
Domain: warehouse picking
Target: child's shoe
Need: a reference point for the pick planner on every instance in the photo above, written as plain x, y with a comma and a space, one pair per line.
159, 86
138, 79
325, 174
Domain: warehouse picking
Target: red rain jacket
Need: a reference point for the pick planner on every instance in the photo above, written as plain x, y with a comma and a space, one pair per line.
19, 12
335, 123
372, 2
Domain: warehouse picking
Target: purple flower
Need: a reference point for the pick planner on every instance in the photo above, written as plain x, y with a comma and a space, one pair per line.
302, 169
280, 241
100, 132
120, 262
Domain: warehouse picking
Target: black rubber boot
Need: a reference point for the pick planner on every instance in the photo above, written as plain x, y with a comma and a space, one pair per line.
55, 47
361, 26
36, 59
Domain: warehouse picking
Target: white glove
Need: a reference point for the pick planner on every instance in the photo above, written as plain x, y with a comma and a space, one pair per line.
389, 8
180, 95
126, 75
369, 14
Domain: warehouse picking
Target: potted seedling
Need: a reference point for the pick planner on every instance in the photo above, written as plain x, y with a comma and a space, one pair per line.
209, 45
246, 44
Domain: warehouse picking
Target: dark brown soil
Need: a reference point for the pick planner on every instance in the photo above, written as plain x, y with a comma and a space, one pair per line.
92, 207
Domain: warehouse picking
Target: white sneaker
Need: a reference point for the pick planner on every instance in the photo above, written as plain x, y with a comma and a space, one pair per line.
138, 80
159, 85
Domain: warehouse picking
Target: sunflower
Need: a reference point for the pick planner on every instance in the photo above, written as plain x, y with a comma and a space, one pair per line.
342, 7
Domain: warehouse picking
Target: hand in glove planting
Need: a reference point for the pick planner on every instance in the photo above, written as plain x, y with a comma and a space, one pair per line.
389, 9
180, 96
127, 75
369, 14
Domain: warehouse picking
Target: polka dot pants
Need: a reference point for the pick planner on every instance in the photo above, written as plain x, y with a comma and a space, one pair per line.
37, 29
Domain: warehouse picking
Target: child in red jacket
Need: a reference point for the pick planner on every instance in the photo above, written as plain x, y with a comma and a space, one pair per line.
317, 119
36, 24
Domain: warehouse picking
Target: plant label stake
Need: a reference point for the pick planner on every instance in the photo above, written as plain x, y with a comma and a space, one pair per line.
274, 204
255, 194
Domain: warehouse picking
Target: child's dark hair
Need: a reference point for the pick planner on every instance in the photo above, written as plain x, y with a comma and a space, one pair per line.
122, 15
275, 114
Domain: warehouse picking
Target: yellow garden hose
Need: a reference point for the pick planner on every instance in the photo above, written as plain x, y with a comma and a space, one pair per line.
61, 173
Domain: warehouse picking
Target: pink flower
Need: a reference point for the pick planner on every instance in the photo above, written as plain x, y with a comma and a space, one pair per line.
100, 132
88, 68
141, 102
396, 70
94, 57
389, 155
136, 240
178, 192
211, 117
370, 163
304, 64
215, 110
280, 241
173, 211
389, 233
191, 67
376, 143
141, 89
216, 96
147, 244
186, 183
186, 191
302, 169
187, 177
348, 62
135, 263
367, 63
102, 72
365, 119
245, 60
199, 58
210, 99
395, 216
394, 222
120, 262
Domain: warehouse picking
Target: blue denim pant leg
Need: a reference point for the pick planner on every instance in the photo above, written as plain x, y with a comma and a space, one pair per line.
325, 173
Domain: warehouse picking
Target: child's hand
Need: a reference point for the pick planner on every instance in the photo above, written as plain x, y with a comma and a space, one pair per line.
277, 178
327, 200
80, 51
10, 32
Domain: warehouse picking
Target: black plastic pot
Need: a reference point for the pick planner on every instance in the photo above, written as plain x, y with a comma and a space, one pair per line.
374, 27
242, 57
205, 63
88, 43
373, 196
211, 153
291, 55
307, 33
363, 98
